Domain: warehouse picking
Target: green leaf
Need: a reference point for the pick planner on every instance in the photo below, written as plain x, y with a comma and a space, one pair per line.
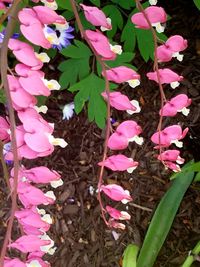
89, 90
114, 13
145, 43
79, 50
128, 4
2, 97
163, 219
73, 69
197, 3
122, 59
197, 177
130, 256
65, 4
95, 2
128, 36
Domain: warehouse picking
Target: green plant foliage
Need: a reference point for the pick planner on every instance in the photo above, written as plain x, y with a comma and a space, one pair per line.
128, 4
130, 256
114, 13
65, 4
2, 97
95, 2
78, 60
89, 90
197, 3
163, 218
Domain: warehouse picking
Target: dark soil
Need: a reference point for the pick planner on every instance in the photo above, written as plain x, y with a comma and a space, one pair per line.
79, 231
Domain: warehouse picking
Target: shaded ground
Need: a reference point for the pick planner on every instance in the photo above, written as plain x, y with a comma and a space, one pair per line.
79, 232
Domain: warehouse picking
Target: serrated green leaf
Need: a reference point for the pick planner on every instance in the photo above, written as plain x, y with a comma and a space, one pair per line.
128, 4
197, 3
122, 59
89, 90
80, 68
79, 50
114, 13
95, 2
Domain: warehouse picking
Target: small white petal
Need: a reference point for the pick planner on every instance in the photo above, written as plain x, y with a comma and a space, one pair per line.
159, 27
52, 5
117, 49
135, 103
61, 27
103, 29
68, 111
139, 140
57, 183
41, 211
177, 143
180, 160
133, 83
178, 56
57, 141
50, 194
42, 109
116, 236
43, 57
47, 218
47, 248
130, 170
52, 84
153, 2
174, 85
33, 263
185, 111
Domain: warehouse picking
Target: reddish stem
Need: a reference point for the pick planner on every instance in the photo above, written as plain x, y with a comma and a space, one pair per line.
107, 89
3, 66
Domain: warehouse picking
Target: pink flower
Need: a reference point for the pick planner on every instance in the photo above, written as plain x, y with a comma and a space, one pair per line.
48, 16
172, 166
101, 44
119, 163
126, 132
25, 54
113, 224
4, 130
156, 16
123, 74
178, 103
117, 215
31, 219
95, 16
31, 80
170, 135
21, 98
171, 155
29, 243
171, 48
13, 263
116, 192
121, 102
166, 76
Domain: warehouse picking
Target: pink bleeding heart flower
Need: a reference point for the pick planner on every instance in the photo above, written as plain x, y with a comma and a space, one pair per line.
4, 130
100, 44
25, 54
113, 224
28, 218
14, 263
41, 175
172, 166
96, 17
126, 132
30, 195
123, 74
20, 98
116, 192
166, 76
29, 243
121, 102
32, 80
119, 163
171, 155
117, 214
170, 135
156, 16
48, 16
32, 28
178, 103
171, 48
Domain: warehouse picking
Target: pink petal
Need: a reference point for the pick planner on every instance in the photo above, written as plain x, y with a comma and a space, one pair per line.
48, 16
117, 142
119, 101
121, 74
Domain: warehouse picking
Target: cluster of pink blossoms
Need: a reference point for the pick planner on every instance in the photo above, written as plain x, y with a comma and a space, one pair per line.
127, 131
34, 135
164, 53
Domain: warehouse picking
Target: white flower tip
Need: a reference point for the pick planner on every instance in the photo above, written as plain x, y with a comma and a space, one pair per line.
43, 57
56, 183
103, 29
68, 111
131, 169
153, 2
135, 103
185, 111
47, 218
117, 49
43, 109
159, 27
33, 263
177, 143
50, 194
174, 85
133, 83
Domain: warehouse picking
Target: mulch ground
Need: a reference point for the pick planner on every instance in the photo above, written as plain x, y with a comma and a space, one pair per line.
79, 232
